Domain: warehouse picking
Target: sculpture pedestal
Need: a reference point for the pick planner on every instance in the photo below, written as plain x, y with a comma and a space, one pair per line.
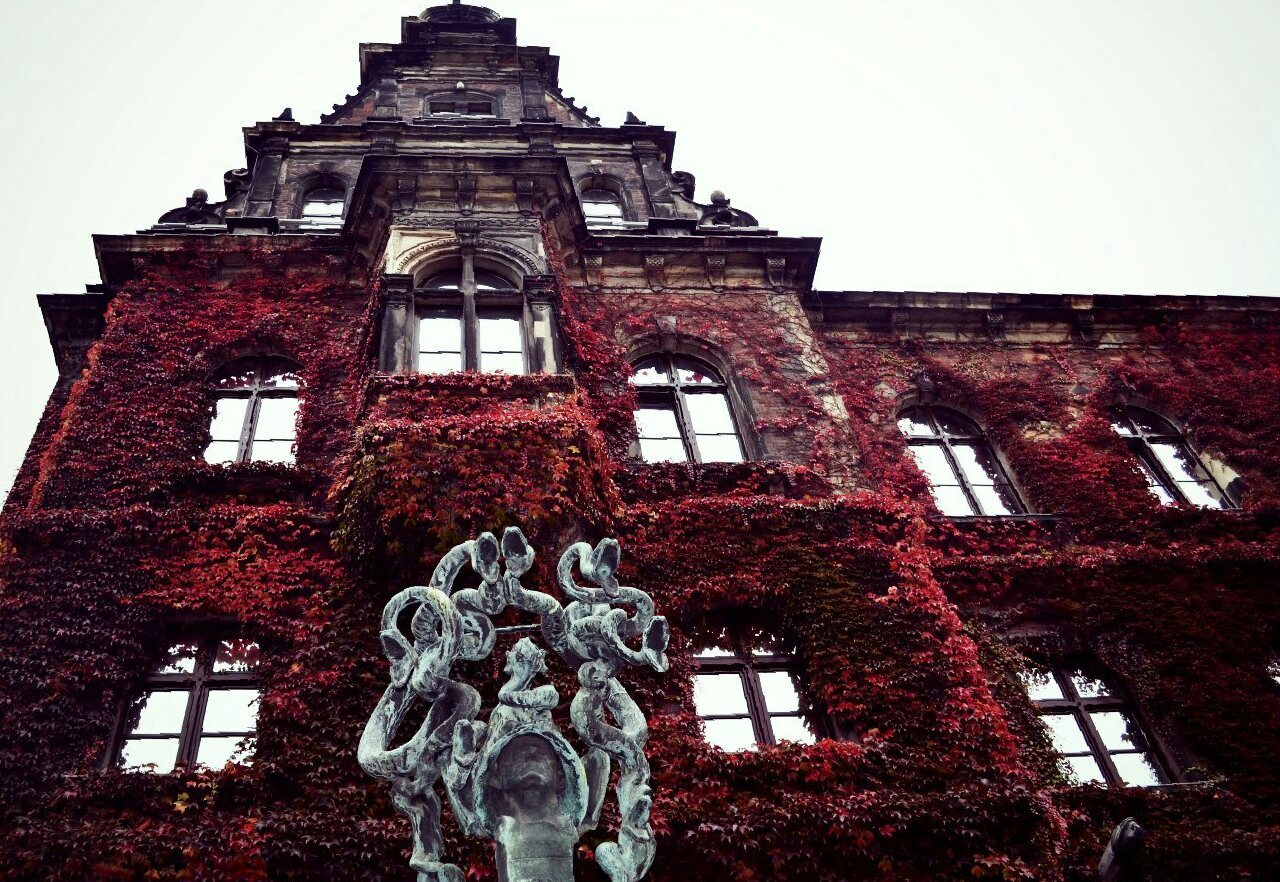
538, 851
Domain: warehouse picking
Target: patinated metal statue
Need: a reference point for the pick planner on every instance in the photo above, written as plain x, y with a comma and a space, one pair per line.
516, 780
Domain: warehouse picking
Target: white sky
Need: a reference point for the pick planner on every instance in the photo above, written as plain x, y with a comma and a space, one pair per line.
1125, 146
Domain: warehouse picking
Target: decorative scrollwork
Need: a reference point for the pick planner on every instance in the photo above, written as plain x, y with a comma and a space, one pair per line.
517, 780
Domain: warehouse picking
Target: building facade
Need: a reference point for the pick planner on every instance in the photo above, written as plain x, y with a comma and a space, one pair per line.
957, 582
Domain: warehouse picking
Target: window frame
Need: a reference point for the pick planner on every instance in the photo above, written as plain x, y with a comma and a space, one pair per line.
672, 395
463, 100
615, 199
749, 666
1140, 444
470, 306
1081, 708
197, 686
324, 222
255, 393
945, 441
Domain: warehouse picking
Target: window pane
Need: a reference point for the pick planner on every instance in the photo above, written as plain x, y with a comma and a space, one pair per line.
914, 424
1204, 495
997, 500
237, 376
952, 502
502, 363
1042, 686
935, 465
231, 710
1066, 733
228, 419
180, 659
690, 373
792, 729
731, 735
1178, 462
161, 753
976, 463
217, 752
780, 695
236, 656
719, 448
1089, 687
1122, 426
1136, 769
278, 376
650, 373
222, 452
713, 652
1149, 423
663, 450
716, 694
1114, 728
709, 414
487, 281
162, 713
439, 362
1155, 484
278, 452
446, 281
1085, 770
953, 424
277, 419
500, 334
657, 422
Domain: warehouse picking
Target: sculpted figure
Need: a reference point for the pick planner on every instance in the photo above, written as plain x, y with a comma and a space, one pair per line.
517, 780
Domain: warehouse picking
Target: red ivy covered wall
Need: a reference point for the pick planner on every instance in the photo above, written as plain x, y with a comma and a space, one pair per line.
119, 539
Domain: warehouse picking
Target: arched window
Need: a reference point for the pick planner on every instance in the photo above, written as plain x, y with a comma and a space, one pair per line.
256, 413
474, 324
962, 468
684, 413
323, 206
602, 208
1174, 473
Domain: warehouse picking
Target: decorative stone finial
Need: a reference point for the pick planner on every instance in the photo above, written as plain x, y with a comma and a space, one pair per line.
517, 780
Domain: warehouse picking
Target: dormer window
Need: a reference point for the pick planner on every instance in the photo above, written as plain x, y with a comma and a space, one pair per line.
461, 105
602, 208
323, 207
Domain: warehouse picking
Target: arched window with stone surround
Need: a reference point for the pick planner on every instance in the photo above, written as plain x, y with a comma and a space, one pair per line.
964, 473
255, 412
1174, 473
685, 413
324, 203
470, 319
603, 208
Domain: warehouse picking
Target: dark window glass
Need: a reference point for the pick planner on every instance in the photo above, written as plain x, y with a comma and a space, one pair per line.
199, 707
460, 105
684, 414
963, 472
750, 699
1173, 471
1093, 727
255, 412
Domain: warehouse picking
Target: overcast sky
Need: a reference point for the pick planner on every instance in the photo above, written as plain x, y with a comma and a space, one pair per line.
1125, 146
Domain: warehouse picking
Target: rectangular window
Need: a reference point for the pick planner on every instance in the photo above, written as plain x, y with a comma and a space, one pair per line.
1093, 728
275, 430
660, 438
747, 702
440, 343
501, 343
198, 708
225, 431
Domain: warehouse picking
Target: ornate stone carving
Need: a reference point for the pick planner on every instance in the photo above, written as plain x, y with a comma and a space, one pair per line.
715, 271
655, 271
196, 211
994, 321
425, 252
517, 780
720, 213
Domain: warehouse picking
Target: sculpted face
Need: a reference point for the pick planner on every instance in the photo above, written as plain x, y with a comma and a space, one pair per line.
530, 778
